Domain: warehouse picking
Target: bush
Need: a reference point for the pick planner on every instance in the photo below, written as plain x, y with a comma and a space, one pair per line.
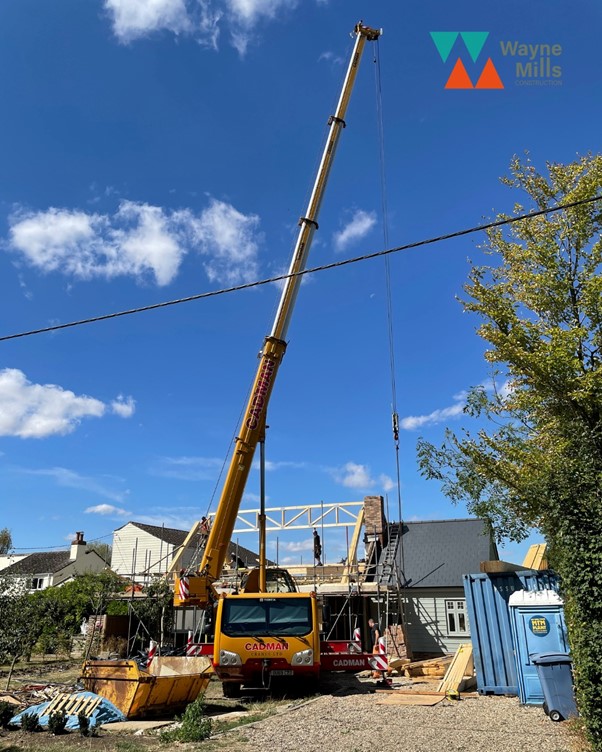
7, 711
195, 725
85, 727
30, 722
57, 722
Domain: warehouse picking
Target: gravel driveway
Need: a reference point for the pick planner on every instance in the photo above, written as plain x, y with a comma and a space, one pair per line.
351, 720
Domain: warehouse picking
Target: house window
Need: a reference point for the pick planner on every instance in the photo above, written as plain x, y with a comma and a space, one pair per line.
37, 583
455, 614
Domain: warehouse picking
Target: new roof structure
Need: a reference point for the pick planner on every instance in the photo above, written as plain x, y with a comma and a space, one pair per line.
436, 553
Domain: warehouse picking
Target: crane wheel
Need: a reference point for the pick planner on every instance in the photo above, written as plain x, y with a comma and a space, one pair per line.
231, 689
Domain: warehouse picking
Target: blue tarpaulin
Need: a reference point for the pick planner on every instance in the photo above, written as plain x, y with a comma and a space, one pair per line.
105, 712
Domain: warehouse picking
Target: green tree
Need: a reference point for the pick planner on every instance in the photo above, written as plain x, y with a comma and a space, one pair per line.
155, 611
86, 595
19, 626
536, 461
104, 550
6, 541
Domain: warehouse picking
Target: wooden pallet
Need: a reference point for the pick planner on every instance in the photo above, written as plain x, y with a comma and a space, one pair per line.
73, 704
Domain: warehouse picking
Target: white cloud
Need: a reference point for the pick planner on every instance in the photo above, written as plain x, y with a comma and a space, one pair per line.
229, 239
360, 225
70, 479
39, 410
253, 497
138, 240
294, 546
386, 482
35, 411
107, 509
244, 15
188, 468
123, 406
179, 519
330, 57
353, 475
503, 389
437, 416
137, 18
284, 464
207, 24
134, 19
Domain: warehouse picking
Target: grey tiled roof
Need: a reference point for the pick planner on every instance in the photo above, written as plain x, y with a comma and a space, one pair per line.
40, 563
438, 553
166, 534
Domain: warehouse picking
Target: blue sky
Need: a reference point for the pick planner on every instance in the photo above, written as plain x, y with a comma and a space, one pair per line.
155, 150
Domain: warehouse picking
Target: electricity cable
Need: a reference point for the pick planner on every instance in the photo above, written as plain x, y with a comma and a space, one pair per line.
312, 270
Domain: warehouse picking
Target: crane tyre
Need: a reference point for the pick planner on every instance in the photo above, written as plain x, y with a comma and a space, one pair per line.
231, 689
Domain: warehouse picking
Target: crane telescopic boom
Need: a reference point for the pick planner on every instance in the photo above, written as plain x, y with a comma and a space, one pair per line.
198, 590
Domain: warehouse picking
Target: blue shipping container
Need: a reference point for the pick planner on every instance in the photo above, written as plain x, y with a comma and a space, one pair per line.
489, 618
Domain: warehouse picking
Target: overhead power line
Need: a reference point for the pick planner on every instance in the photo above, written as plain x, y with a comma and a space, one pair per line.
311, 270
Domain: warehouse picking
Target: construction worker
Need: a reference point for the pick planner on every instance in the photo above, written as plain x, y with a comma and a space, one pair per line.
204, 528
236, 562
317, 549
373, 646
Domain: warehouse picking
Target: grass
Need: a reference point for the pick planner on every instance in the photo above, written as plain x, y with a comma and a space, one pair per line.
56, 670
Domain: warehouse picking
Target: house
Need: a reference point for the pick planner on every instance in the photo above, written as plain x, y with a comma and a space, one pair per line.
47, 569
141, 551
426, 560
7, 559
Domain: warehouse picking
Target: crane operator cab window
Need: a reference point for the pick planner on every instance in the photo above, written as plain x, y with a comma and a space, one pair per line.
291, 617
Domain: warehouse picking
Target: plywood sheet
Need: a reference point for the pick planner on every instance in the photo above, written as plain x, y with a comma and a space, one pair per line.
409, 699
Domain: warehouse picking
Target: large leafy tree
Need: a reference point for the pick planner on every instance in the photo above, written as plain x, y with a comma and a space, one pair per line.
537, 459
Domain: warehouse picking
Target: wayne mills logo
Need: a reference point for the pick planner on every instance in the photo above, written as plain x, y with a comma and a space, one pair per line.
474, 41
533, 64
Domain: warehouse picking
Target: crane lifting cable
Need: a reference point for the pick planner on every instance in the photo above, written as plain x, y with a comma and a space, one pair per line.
390, 331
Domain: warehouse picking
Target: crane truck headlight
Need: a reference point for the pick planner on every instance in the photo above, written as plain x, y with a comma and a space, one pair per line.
228, 658
303, 658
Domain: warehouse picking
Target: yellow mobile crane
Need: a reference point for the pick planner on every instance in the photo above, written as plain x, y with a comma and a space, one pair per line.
260, 634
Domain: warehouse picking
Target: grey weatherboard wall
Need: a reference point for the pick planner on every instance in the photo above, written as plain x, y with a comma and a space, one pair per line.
489, 617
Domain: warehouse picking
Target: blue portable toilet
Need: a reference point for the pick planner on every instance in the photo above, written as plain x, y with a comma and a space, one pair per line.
537, 622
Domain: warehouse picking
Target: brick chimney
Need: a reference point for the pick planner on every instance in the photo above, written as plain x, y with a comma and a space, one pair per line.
374, 519
78, 546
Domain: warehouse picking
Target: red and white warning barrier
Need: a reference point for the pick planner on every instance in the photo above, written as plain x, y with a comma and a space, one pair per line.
190, 648
184, 589
355, 646
379, 661
151, 653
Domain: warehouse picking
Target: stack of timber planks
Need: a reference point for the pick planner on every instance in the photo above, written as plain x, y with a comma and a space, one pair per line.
536, 557
433, 667
460, 673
